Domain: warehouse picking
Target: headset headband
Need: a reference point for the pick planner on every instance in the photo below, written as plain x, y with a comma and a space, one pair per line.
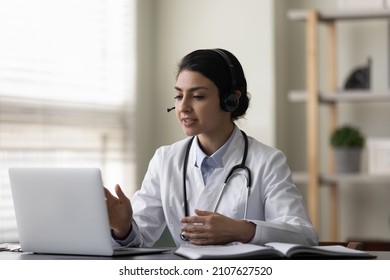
229, 101
231, 68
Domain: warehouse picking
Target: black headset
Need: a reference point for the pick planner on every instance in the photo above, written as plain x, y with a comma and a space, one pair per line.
229, 101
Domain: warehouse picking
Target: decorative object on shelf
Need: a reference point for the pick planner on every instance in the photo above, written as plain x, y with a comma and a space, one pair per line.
359, 78
378, 151
347, 142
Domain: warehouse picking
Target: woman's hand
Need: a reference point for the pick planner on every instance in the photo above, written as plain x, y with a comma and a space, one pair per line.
120, 212
211, 228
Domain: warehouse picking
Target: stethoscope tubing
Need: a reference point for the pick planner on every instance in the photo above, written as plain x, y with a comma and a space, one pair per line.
228, 177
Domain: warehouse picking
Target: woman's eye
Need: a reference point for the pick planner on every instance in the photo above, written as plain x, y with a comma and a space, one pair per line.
198, 96
178, 97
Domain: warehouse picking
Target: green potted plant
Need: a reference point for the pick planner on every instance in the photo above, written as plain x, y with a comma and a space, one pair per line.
347, 142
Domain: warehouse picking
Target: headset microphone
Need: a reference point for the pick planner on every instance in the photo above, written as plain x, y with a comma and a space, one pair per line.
170, 109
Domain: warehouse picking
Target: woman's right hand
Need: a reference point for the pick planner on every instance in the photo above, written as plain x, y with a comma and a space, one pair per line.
120, 212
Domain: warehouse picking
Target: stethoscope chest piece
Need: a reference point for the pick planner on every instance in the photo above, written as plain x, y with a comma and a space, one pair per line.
183, 237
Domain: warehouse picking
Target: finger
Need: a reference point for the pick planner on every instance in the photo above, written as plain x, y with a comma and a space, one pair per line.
198, 227
200, 239
195, 234
119, 192
203, 213
193, 220
108, 194
201, 242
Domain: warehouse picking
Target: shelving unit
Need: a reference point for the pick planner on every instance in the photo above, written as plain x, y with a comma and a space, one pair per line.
313, 98
341, 96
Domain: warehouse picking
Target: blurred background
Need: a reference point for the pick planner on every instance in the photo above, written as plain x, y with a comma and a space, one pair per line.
87, 83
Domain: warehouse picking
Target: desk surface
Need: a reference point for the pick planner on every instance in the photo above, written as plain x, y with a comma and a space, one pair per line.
169, 255
16, 255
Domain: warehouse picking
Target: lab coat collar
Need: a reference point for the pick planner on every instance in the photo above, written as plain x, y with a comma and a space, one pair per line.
217, 156
230, 157
211, 195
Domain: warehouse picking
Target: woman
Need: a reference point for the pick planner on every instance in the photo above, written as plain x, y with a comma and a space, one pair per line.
184, 187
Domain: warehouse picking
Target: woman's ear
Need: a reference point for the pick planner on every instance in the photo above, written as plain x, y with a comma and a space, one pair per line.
238, 94
231, 102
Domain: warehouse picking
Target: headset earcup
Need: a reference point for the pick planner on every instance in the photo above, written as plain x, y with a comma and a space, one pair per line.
230, 103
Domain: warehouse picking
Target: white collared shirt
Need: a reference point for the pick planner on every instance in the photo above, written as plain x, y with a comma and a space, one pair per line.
208, 164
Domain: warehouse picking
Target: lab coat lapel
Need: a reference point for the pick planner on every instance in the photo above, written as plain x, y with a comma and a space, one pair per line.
195, 185
211, 192
211, 195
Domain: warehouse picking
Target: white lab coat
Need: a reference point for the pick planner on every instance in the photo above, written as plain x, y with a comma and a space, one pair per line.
274, 203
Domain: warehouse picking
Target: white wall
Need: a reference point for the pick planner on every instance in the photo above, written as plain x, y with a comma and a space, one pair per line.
244, 27
272, 61
168, 30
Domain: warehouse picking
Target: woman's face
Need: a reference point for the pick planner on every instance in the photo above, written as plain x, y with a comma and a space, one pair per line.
198, 107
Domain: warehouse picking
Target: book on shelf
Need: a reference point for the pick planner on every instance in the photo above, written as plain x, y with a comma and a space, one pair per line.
272, 250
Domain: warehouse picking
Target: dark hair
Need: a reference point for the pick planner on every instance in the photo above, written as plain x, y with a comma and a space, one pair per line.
214, 66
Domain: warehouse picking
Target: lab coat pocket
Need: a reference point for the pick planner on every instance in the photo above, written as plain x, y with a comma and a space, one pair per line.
233, 197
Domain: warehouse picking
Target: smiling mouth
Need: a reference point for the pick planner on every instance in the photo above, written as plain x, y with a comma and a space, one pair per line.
188, 121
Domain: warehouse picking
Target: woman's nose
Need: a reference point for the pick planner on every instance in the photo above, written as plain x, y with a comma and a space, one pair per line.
185, 105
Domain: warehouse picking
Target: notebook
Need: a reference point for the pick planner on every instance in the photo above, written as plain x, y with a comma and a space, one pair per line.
63, 211
270, 250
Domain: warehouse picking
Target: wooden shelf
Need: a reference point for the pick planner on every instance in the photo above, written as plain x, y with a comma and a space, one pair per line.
313, 98
351, 178
346, 178
301, 15
341, 96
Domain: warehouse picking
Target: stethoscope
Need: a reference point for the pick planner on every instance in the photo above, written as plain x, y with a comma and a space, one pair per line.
234, 168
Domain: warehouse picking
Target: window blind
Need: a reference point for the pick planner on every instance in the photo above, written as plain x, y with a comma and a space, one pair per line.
66, 90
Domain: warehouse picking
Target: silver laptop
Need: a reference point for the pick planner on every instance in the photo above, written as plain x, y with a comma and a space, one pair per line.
63, 211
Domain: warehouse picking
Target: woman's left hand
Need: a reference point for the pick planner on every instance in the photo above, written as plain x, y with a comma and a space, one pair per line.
211, 228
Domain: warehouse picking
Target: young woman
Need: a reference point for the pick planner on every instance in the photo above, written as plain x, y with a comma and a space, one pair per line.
218, 185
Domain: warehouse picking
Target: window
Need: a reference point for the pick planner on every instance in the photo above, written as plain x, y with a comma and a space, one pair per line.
66, 90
